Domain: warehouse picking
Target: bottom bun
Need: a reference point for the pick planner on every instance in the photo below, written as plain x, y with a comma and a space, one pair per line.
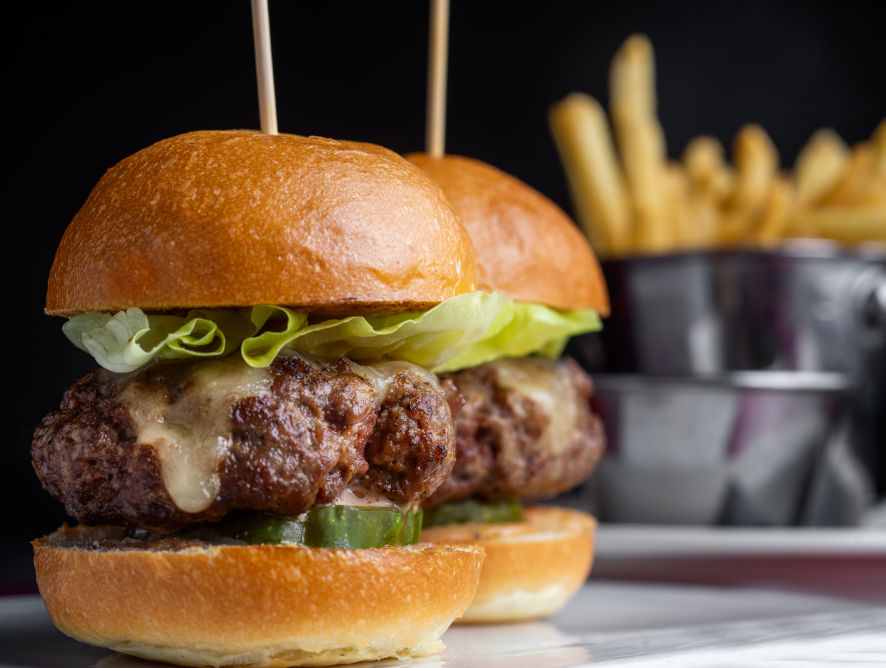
532, 567
256, 605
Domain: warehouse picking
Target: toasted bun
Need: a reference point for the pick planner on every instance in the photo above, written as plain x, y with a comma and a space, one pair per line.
256, 605
531, 568
526, 246
237, 218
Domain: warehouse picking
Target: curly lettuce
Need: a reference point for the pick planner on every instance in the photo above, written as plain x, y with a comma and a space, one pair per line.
460, 332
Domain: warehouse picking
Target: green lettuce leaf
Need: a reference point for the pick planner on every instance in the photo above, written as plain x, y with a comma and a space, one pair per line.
427, 338
460, 332
129, 339
530, 329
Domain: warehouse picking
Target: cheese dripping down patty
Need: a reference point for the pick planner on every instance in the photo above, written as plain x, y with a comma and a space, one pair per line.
192, 435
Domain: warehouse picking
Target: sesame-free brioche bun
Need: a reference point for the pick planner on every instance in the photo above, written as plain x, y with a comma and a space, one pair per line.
532, 567
257, 605
526, 246
238, 218
530, 250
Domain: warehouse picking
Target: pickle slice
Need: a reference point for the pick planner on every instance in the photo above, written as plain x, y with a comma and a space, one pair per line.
470, 510
327, 526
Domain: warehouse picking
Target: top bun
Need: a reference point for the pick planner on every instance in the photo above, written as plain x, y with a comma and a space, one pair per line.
238, 218
526, 246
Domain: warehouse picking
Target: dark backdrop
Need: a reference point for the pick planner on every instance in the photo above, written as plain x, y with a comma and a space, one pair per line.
87, 83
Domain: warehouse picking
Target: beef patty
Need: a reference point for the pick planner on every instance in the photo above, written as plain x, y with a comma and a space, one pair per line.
187, 441
526, 430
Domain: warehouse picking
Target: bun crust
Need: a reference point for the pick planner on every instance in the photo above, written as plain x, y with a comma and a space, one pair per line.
526, 246
238, 218
256, 605
531, 567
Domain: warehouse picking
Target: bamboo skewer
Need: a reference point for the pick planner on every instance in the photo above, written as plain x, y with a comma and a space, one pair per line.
438, 47
264, 67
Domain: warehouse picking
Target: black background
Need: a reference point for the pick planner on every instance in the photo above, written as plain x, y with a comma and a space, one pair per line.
89, 83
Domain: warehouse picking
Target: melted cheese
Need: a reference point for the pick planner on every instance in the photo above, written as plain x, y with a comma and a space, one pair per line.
360, 496
381, 374
551, 392
192, 435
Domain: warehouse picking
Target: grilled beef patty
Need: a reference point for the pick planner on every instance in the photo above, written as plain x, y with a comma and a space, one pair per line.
187, 441
526, 430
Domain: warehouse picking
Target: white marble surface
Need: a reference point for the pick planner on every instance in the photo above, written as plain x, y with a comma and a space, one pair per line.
649, 625
608, 623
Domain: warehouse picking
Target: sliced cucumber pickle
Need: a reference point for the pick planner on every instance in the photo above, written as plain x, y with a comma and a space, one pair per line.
327, 526
470, 510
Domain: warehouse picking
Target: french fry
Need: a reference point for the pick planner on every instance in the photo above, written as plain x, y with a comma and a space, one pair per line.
756, 164
678, 192
846, 224
704, 212
772, 226
876, 192
858, 177
799, 225
708, 172
820, 167
734, 226
598, 190
643, 157
724, 183
632, 78
640, 141
694, 214
878, 141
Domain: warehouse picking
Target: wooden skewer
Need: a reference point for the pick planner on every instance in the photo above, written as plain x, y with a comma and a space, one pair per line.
264, 67
438, 46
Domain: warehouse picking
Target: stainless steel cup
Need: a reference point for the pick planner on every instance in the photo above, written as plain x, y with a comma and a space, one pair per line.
744, 448
806, 307
683, 325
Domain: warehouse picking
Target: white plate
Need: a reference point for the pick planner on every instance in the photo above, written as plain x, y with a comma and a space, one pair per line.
841, 562
630, 540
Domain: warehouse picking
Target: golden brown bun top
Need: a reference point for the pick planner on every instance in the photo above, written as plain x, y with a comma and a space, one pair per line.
526, 246
237, 218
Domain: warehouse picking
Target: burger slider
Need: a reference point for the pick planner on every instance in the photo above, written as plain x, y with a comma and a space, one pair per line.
248, 465
525, 429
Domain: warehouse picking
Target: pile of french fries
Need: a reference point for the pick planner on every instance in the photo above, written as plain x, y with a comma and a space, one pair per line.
631, 199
